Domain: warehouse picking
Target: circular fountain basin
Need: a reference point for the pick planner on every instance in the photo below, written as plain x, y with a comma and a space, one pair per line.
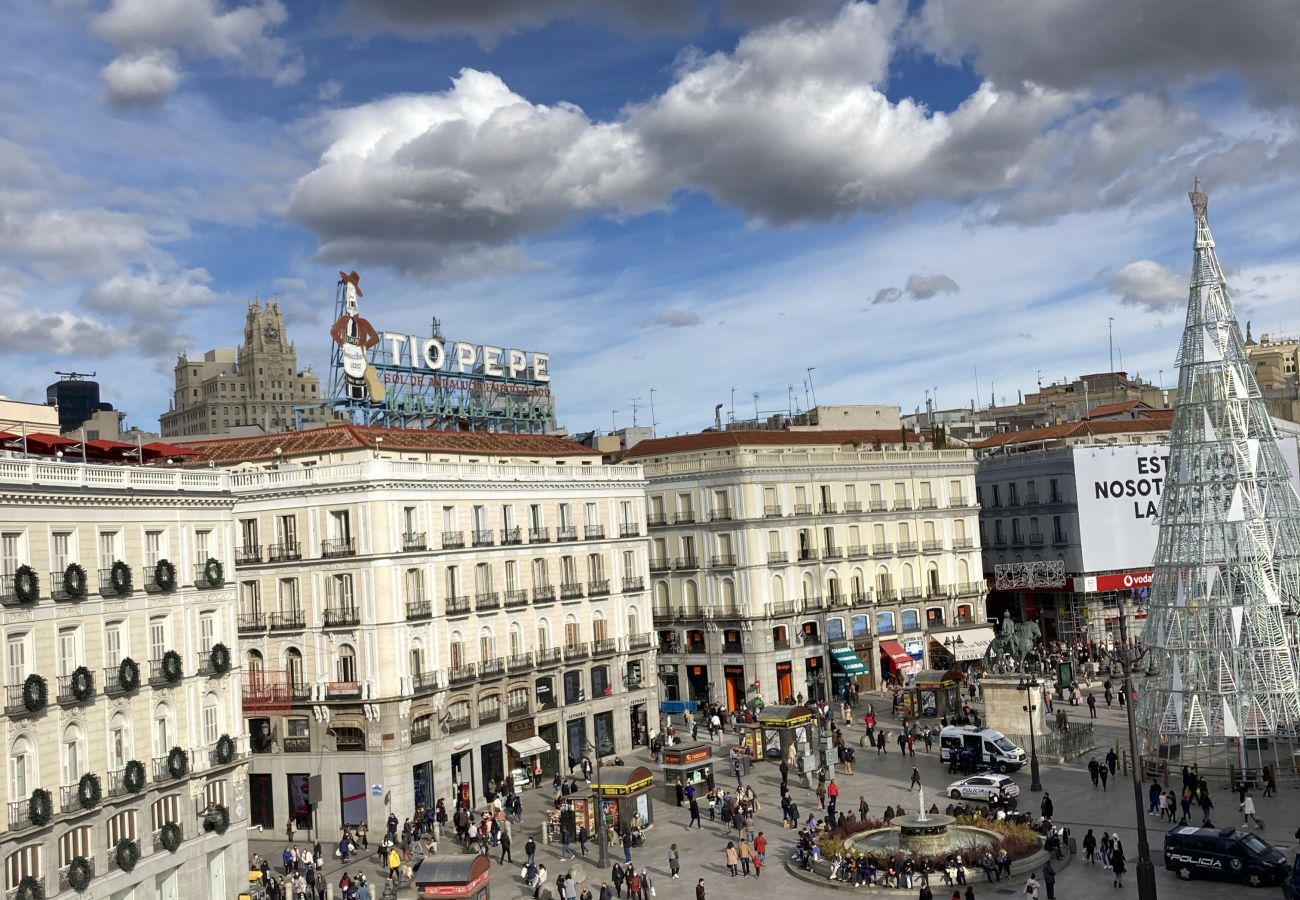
935, 834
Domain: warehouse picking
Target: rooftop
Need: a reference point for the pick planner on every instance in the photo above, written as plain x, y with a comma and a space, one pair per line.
1076, 430
717, 440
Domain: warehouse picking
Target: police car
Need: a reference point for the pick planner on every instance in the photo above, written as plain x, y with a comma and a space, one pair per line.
1227, 854
982, 787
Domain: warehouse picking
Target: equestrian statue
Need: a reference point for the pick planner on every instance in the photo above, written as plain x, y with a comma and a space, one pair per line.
1013, 644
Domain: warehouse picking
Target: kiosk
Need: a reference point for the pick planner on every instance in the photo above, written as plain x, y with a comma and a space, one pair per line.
456, 877
693, 764
624, 792
784, 727
933, 693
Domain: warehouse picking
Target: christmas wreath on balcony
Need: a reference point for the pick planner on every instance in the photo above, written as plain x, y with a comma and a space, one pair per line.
126, 854
80, 872
216, 819
164, 575
133, 776
225, 751
219, 658
29, 888
128, 674
172, 668
40, 807
36, 693
178, 764
170, 836
89, 792
212, 572
27, 584
119, 577
83, 686
74, 581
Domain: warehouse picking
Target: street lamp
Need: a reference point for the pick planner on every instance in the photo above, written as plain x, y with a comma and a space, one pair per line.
951, 644
602, 840
1029, 684
1146, 872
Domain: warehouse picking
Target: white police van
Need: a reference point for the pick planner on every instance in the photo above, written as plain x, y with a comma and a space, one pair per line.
989, 749
1225, 854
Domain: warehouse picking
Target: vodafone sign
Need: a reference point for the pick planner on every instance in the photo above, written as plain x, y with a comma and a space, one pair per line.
1126, 582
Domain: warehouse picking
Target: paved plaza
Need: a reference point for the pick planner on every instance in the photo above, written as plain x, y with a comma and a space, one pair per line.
883, 781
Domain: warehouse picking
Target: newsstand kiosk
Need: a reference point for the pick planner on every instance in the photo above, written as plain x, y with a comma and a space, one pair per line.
455, 877
624, 792
693, 764
788, 735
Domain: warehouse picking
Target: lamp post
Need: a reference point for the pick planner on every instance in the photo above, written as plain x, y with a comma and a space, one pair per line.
1146, 872
1029, 684
951, 644
602, 840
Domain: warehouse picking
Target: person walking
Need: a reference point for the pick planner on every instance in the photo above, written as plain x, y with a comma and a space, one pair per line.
916, 779
647, 886
695, 814
733, 858
1118, 863
674, 862
1049, 880
699, 889
1092, 706
616, 876
744, 852
1031, 887
1046, 807
505, 849
1112, 760
1248, 812
1103, 773
1090, 847
680, 791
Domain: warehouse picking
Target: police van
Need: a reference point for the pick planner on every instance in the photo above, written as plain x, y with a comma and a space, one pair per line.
989, 749
1227, 854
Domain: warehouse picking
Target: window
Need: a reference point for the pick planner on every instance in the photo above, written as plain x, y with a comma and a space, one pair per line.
911, 620
162, 729
590, 517
573, 686
1015, 530
449, 518
248, 535
18, 657
410, 520
22, 863
153, 548
860, 627
108, 549
1013, 494
479, 515
512, 575
595, 568
456, 650
835, 629
60, 550
934, 617
10, 551
1053, 491
207, 631
884, 623
997, 496
565, 515
568, 571
114, 649
22, 767
293, 662
289, 596
74, 754
211, 719
487, 645
73, 843
341, 591
508, 517
572, 632
535, 517
288, 528
541, 573
121, 828
997, 532
600, 684
453, 581
345, 668
157, 637
516, 639
414, 586
598, 626
163, 810
1058, 535
119, 742
340, 525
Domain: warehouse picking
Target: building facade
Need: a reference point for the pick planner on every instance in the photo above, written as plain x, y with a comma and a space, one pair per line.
121, 717
252, 390
785, 563
424, 614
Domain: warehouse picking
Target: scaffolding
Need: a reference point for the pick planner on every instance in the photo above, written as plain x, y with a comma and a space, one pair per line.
1224, 692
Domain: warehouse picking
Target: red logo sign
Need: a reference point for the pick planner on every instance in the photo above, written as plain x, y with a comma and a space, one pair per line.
1124, 582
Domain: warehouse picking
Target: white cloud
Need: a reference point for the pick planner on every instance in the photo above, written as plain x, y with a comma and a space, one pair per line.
489, 19
329, 91
923, 287
677, 318
1149, 285
63, 242
151, 294
149, 35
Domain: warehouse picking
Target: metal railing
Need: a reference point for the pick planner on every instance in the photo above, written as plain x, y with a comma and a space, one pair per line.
656, 521
579, 650
201, 578
483, 539
462, 674
341, 616
515, 709
723, 561
519, 662
420, 731
853, 506
963, 543
572, 591
453, 540
633, 583
293, 620
598, 588
907, 547
594, 532
539, 535
569, 533
549, 656
512, 536
297, 744
64, 883
246, 623
859, 551
808, 554
117, 783
782, 608
422, 682
516, 598
455, 726
246, 555
65, 694
40, 881
160, 771
829, 509
486, 601
928, 503
777, 557
335, 547
720, 515
640, 641
457, 606
285, 552
419, 609
660, 565
932, 546
879, 505
833, 553
604, 647
156, 673
860, 598
492, 668
779, 643
629, 530
686, 563
803, 509
415, 541
544, 594
489, 716
773, 512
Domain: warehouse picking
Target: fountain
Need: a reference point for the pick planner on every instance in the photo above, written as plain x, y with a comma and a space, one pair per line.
923, 834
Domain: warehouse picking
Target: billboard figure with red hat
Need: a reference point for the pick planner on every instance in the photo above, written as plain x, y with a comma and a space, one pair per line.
355, 336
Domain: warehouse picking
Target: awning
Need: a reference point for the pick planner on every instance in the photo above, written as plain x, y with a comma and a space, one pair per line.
973, 642
894, 650
530, 746
847, 660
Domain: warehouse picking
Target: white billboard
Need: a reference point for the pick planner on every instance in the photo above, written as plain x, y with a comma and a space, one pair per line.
1119, 489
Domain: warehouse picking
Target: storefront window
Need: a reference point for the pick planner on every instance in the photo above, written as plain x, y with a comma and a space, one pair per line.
835, 629
861, 627
600, 685
884, 623
911, 620
573, 686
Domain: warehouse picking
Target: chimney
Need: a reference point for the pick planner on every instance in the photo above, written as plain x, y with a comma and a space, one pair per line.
717, 417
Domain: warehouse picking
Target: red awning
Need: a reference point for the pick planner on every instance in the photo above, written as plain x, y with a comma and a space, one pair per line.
894, 650
43, 444
162, 450
102, 448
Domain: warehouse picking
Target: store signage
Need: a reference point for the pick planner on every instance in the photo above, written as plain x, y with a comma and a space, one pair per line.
1119, 491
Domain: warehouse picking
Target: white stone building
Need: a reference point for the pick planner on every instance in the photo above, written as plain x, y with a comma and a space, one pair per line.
422, 612
121, 718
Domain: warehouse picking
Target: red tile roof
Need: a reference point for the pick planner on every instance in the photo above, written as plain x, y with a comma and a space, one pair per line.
332, 438
1110, 409
1075, 430
715, 440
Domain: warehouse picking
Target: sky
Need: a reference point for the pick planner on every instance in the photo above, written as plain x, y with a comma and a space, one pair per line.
702, 200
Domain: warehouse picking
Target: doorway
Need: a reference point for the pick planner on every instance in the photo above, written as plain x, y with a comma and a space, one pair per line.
462, 777
492, 767
734, 677
261, 802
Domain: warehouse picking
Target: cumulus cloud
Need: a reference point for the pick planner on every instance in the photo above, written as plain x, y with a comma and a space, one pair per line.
59, 242
151, 35
1148, 285
677, 318
918, 287
489, 19
150, 293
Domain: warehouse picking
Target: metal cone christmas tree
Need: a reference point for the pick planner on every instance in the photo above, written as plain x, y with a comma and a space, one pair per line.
1227, 563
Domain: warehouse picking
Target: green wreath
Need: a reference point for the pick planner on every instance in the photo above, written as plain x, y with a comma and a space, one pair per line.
119, 577
74, 581
127, 854
172, 668
128, 674
29, 888
83, 684
178, 764
225, 750
40, 807
219, 658
27, 584
36, 693
213, 573
170, 836
133, 776
164, 575
80, 872
89, 791
217, 819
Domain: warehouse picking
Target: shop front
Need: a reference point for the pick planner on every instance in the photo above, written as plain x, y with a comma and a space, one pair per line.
785, 682
960, 648
846, 666
697, 680
933, 694
815, 678
733, 677
527, 750
895, 660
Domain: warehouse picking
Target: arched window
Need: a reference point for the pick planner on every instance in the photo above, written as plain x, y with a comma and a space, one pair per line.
599, 627
833, 588
911, 620
516, 639
541, 574
458, 716
120, 747
904, 534
601, 686
835, 629
963, 572
778, 589
959, 531
487, 644
544, 688
489, 709
806, 586
860, 627
345, 664
22, 767
543, 634
662, 608
728, 595
164, 733
964, 614
932, 579
255, 667
633, 621
878, 536
884, 585
293, 663
884, 622
909, 577
456, 649
857, 587
417, 656
934, 617
691, 596
211, 718
572, 631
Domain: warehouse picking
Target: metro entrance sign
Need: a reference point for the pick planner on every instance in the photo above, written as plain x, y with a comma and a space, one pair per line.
1127, 581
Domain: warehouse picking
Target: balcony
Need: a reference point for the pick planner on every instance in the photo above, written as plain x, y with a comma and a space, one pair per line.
598, 588
571, 591
660, 565
456, 726
783, 608
656, 520
879, 506
580, 650
11, 895
350, 740
629, 530
963, 543
156, 674
286, 552
160, 771
969, 588
492, 668
685, 518
462, 674
516, 709
457, 606
604, 647
833, 553
66, 696
300, 692
14, 701
515, 599
424, 682
860, 598
419, 609
720, 515
292, 620
633, 583
903, 503
913, 593
723, 561
780, 643
803, 509
544, 594
483, 539
1060, 538
859, 551
1031, 500
105, 587
1017, 540
928, 503
539, 535
250, 623
686, 563
1035, 540
112, 684
829, 509
116, 786
205, 664
907, 547
808, 555
885, 593
853, 506
489, 716
550, 656
812, 604
777, 558
569, 533
594, 532
453, 540
333, 548
773, 512
200, 579
414, 541
959, 502
519, 662
297, 744
486, 601
244, 556
420, 730
932, 546
512, 536
342, 616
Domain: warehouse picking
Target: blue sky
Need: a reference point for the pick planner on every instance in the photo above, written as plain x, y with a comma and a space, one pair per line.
678, 195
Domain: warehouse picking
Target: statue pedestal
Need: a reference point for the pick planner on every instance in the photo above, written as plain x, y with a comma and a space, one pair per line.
1004, 705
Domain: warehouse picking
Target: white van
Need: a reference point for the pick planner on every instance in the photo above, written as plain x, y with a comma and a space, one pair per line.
990, 749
